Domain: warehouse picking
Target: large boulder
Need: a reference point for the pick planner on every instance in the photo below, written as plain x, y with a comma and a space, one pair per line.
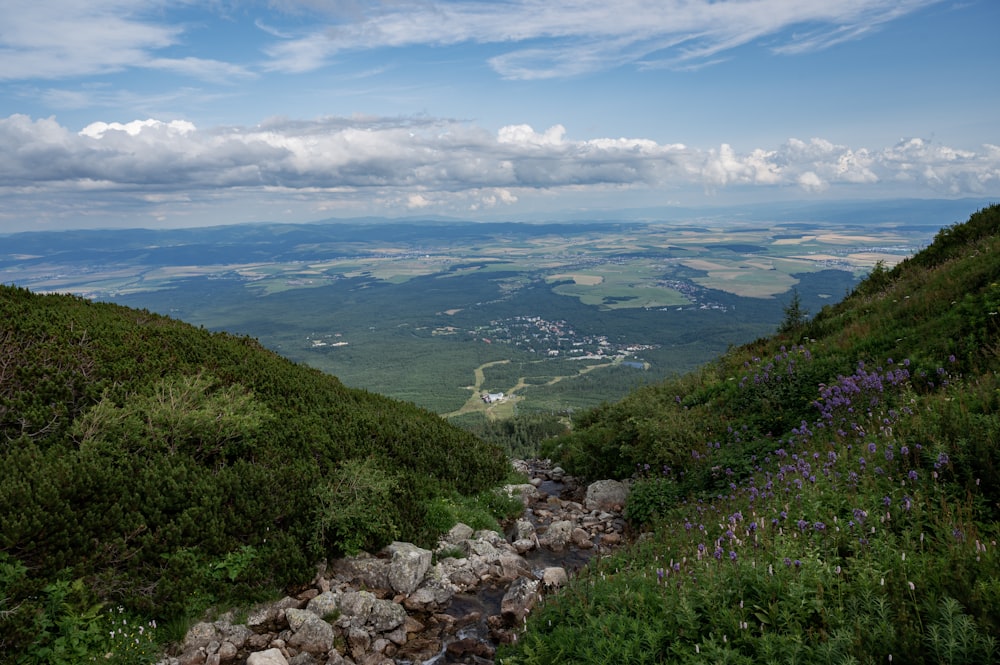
526, 492
386, 615
558, 535
520, 598
457, 534
607, 495
325, 604
313, 635
407, 566
355, 607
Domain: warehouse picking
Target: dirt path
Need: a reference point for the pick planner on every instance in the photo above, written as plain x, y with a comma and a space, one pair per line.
504, 408
475, 401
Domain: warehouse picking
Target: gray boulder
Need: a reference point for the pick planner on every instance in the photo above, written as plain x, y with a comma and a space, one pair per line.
313, 635
386, 615
520, 598
407, 566
558, 535
606, 495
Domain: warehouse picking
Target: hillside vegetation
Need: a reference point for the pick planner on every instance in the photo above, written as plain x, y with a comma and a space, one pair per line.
827, 495
148, 464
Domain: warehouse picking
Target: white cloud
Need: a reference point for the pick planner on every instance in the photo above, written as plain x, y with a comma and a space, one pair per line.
64, 38
427, 163
61, 39
567, 37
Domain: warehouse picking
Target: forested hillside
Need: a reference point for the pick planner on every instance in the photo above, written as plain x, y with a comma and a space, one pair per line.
150, 464
827, 495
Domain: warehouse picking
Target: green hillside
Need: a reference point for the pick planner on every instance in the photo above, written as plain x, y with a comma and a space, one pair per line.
149, 464
827, 495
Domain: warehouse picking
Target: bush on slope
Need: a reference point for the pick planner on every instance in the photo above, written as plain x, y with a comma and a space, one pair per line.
158, 463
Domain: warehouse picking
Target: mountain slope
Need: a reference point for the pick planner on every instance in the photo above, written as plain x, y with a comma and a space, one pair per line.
157, 462
831, 494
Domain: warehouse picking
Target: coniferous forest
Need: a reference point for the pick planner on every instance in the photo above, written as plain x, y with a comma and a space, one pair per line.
829, 494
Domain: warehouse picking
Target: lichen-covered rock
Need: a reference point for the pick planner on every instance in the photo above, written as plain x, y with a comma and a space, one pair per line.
557, 536
313, 635
325, 604
355, 607
458, 533
606, 495
386, 615
519, 600
407, 566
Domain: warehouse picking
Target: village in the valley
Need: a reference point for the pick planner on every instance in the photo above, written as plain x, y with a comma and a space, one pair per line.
555, 339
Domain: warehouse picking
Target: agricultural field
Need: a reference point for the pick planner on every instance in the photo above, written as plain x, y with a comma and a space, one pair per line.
555, 316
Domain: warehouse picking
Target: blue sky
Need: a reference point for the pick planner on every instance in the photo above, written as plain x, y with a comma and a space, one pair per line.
157, 114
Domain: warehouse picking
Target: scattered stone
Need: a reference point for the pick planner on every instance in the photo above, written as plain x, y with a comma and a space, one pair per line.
355, 611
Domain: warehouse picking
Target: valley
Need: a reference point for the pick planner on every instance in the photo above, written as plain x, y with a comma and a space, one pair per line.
578, 313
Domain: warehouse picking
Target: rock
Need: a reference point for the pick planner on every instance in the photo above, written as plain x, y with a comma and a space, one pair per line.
308, 594
335, 658
199, 636
314, 635
196, 657
407, 567
355, 607
458, 533
554, 577
581, 538
304, 658
431, 597
420, 649
265, 619
228, 652
481, 548
521, 466
325, 604
269, 657
522, 546
611, 539
557, 474
509, 566
523, 530
470, 647
519, 600
358, 641
606, 495
527, 492
386, 615
298, 617
363, 570
557, 536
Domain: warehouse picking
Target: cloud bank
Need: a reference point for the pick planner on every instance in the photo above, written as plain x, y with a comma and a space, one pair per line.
428, 164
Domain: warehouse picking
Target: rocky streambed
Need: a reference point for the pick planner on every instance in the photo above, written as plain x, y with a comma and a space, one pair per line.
407, 605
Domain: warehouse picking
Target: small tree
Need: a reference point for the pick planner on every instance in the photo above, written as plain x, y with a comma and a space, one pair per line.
795, 314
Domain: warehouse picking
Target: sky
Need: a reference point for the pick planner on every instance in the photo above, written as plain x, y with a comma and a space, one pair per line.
158, 114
